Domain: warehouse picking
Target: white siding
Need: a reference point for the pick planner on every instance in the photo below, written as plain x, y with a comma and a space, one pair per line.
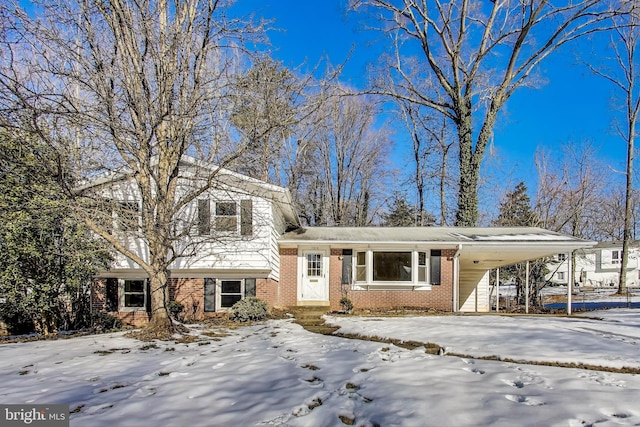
475, 296
231, 252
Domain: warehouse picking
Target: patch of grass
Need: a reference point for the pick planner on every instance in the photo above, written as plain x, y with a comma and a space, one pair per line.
112, 350
117, 386
149, 346
204, 343
186, 339
23, 372
429, 348
347, 420
76, 409
163, 374
310, 367
351, 386
314, 403
149, 334
170, 349
216, 334
586, 366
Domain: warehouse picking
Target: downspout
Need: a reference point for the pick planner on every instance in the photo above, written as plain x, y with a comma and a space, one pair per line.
569, 282
497, 289
456, 280
526, 290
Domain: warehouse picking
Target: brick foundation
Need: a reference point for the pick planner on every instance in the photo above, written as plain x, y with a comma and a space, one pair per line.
187, 291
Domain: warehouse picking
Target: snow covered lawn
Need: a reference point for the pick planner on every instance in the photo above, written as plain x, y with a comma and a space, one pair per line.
276, 373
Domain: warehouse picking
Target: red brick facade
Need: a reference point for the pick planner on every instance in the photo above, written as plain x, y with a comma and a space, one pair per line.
190, 291
187, 291
440, 297
288, 278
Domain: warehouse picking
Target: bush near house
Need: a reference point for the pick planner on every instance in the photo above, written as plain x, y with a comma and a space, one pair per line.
249, 309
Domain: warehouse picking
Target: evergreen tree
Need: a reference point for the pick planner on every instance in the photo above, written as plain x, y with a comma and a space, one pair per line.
402, 214
48, 259
516, 211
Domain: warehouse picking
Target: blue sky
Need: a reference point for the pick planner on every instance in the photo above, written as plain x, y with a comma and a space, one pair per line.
573, 106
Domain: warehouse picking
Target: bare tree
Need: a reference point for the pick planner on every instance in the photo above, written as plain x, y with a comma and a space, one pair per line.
345, 156
571, 189
132, 87
432, 150
473, 57
623, 71
269, 100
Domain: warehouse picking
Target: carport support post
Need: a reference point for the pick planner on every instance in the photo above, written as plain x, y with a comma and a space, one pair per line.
497, 289
526, 290
569, 283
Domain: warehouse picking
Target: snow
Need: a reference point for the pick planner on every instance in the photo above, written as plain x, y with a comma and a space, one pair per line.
276, 373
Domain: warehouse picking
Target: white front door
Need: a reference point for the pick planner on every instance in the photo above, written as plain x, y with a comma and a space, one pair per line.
314, 277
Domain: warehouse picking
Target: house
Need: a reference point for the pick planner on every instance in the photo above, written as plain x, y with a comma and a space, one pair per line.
243, 238
597, 266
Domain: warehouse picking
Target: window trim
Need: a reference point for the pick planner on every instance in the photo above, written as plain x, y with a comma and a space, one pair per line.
246, 284
122, 298
217, 216
370, 284
617, 258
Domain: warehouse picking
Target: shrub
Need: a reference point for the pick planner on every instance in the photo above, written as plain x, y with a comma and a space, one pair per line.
175, 308
248, 309
346, 304
102, 322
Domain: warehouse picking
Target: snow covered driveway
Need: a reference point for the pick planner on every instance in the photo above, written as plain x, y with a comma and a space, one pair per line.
276, 373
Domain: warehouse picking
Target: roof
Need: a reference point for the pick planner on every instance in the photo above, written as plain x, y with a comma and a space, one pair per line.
444, 235
222, 178
479, 248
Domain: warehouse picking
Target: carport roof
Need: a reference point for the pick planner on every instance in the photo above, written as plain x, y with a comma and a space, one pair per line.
479, 248
442, 235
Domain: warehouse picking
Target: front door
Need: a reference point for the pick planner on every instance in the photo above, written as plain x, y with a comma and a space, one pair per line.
314, 278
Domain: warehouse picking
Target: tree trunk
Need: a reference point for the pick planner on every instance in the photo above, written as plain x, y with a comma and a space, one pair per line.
160, 321
628, 213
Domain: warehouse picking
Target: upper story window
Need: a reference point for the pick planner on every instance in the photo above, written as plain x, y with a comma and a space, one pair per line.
615, 257
562, 257
229, 217
226, 217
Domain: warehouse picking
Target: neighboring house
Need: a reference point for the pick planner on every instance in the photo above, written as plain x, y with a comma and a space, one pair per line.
244, 239
596, 267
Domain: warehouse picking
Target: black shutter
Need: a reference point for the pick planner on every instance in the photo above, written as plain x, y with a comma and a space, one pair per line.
246, 217
435, 266
347, 260
112, 295
204, 218
209, 294
147, 284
